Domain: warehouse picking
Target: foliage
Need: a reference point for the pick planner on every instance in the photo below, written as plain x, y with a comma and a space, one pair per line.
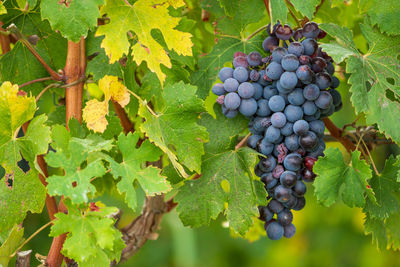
157, 60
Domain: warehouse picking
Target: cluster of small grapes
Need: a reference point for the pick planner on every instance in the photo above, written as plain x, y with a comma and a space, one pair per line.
285, 95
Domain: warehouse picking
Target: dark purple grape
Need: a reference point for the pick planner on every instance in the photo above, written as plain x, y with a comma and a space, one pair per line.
274, 70
290, 62
298, 35
301, 203
229, 113
304, 73
330, 68
292, 142
336, 98
308, 141
310, 46
282, 194
259, 90
335, 82
308, 176
311, 30
254, 59
254, 75
265, 213
270, 43
289, 231
267, 164
318, 127
275, 206
277, 172
299, 189
288, 179
293, 113
321, 34
288, 81
323, 80
284, 32
293, 162
311, 92
296, 48
285, 217
263, 108
240, 61
304, 60
253, 140
324, 101
291, 203
274, 231
318, 64
271, 30
301, 127
278, 54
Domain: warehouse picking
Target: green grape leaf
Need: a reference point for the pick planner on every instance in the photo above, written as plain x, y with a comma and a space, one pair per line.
10, 244
92, 240
385, 186
278, 11
130, 169
376, 227
141, 18
19, 192
375, 76
338, 178
307, 8
3, 10
222, 52
175, 127
20, 66
100, 66
73, 18
71, 153
226, 178
392, 226
384, 13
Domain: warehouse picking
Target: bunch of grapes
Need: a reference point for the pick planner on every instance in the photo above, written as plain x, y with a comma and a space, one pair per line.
285, 95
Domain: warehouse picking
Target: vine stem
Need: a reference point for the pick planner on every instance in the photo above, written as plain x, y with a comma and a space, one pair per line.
36, 81
337, 134
242, 142
20, 37
266, 3
256, 32
143, 103
31, 237
75, 68
126, 124
4, 40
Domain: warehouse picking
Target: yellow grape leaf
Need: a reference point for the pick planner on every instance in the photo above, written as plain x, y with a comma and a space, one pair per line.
114, 89
95, 111
3, 10
140, 19
95, 115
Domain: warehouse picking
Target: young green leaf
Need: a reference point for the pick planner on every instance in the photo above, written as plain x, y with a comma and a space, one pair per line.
176, 126
92, 240
374, 76
141, 18
338, 178
131, 170
72, 18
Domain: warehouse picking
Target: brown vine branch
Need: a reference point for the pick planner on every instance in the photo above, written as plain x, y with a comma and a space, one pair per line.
126, 124
75, 68
23, 259
36, 81
337, 133
4, 41
20, 37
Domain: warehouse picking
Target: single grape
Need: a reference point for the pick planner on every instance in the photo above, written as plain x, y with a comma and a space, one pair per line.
265, 213
304, 73
311, 30
241, 74
277, 172
292, 142
261, 124
290, 62
298, 35
323, 80
309, 108
293, 162
289, 231
240, 61
296, 48
272, 134
315, 116
296, 97
299, 189
288, 80
270, 43
308, 176
282, 194
301, 127
282, 90
253, 140
324, 101
254, 59
275, 206
309, 162
293, 113
246, 90
321, 34
276, 103
262, 81
267, 164
335, 82
278, 119
305, 60
278, 54
263, 108
267, 177
229, 113
284, 32
285, 217
288, 179
265, 147
225, 73
330, 68
301, 203
318, 64
318, 127
271, 29
218, 89
287, 129
310, 46
258, 91
336, 97
291, 203
308, 141
311, 92
254, 75
232, 101
269, 91
248, 107
274, 231
274, 70
231, 85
